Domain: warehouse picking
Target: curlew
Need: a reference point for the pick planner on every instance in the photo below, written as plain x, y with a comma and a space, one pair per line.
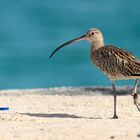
115, 63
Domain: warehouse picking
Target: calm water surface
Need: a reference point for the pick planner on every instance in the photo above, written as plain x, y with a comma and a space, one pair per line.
31, 29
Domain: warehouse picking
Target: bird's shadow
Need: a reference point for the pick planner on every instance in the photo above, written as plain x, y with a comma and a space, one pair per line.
58, 115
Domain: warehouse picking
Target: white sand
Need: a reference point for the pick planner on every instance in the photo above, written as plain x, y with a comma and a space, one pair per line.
67, 114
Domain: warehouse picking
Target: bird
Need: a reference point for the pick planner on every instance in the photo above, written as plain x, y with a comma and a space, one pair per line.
114, 62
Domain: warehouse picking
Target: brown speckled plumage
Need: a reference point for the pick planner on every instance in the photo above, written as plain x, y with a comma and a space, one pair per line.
116, 63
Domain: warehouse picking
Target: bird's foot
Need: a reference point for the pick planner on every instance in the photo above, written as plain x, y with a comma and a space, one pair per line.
115, 117
136, 101
135, 98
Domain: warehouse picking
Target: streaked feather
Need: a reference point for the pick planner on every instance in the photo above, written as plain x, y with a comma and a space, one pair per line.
116, 63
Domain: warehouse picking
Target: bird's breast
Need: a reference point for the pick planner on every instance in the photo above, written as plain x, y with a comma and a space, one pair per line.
107, 63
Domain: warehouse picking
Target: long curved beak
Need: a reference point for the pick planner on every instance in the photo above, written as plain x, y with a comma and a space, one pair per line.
67, 43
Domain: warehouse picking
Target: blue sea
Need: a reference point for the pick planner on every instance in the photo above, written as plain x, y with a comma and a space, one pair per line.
31, 29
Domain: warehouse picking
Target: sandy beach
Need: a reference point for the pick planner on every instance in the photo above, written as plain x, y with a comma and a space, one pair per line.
68, 114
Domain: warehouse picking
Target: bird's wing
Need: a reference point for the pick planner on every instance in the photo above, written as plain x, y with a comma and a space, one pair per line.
121, 60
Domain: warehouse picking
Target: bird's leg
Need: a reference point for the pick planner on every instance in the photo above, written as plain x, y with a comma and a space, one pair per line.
134, 91
115, 99
135, 95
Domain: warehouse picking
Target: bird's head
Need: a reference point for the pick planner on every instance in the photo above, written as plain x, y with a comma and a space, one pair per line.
93, 35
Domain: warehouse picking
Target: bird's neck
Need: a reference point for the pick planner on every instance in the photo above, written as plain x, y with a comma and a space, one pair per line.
95, 45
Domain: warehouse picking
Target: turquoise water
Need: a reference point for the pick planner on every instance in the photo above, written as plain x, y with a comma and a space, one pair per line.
31, 29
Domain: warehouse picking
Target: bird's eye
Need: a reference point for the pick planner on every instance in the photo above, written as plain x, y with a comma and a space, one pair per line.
92, 33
